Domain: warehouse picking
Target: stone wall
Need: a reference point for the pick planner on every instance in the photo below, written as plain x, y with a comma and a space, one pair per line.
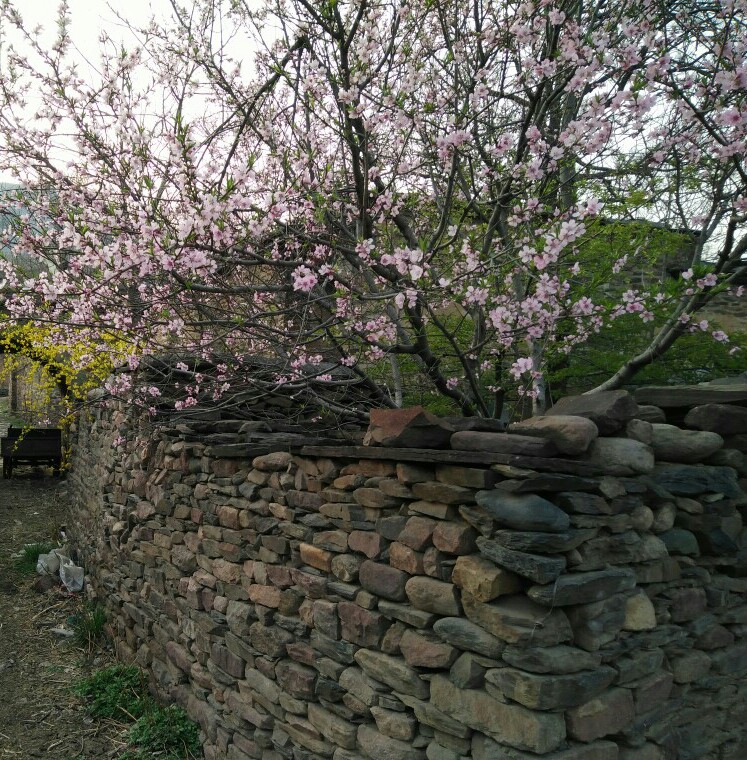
572, 589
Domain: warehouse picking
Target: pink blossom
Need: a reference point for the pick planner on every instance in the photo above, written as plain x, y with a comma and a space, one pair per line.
304, 279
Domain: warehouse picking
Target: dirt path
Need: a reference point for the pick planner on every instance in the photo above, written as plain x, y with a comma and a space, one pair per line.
39, 716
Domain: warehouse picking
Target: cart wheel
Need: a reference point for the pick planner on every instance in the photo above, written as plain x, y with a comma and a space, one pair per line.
7, 467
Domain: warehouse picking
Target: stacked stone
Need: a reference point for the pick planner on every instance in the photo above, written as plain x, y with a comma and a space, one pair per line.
580, 598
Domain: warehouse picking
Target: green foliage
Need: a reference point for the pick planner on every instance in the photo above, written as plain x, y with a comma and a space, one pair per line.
120, 692
694, 358
117, 692
29, 555
88, 625
167, 731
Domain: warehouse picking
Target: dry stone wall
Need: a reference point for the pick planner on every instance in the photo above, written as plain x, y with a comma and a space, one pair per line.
572, 589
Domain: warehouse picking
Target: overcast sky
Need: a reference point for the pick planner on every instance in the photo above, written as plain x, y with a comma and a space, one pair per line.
88, 17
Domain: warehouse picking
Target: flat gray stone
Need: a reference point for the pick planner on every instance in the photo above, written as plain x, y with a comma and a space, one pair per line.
559, 659
689, 480
550, 692
393, 672
672, 444
518, 620
509, 724
621, 456
523, 512
380, 747
669, 396
484, 748
550, 482
466, 635
680, 541
583, 588
570, 434
503, 443
583, 503
543, 543
724, 419
608, 410
432, 595
533, 566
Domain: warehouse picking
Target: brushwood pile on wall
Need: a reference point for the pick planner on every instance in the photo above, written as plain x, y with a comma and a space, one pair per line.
570, 588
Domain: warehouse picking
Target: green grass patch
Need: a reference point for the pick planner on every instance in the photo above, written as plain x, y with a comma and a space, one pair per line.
167, 732
121, 693
118, 692
88, 625
26, 561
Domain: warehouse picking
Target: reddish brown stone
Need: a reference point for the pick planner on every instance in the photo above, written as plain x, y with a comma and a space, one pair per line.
349, 482
361, 626
296, 679
229, 572
383, 580
274, 462
321, 559
267, 596
374, 468
227, 661
432, 595
404, 558
375, 499
413, 473
314, 586
325, 618
279, 576
454, 538
407, 428
443, 493
366, 542
302, 652
468, 477
228, 517
417, 533
426, 650
483, 580
224, 468
437, 564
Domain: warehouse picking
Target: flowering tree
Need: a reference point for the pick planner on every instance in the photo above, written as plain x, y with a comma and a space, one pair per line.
371, 190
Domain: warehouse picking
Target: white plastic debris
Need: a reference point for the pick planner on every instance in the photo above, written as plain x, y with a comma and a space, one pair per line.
71, 575
57, 562
48, 564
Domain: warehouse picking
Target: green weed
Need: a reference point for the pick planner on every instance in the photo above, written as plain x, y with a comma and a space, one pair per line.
120, 692
26, 561
88, 625
116, 692
166, 731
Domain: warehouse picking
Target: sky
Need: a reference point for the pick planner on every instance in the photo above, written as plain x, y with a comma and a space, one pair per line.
88, 17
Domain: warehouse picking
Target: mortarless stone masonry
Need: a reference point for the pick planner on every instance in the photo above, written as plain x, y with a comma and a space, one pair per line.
336, 601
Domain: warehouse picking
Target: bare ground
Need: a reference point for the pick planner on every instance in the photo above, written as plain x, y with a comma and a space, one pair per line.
40, 717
